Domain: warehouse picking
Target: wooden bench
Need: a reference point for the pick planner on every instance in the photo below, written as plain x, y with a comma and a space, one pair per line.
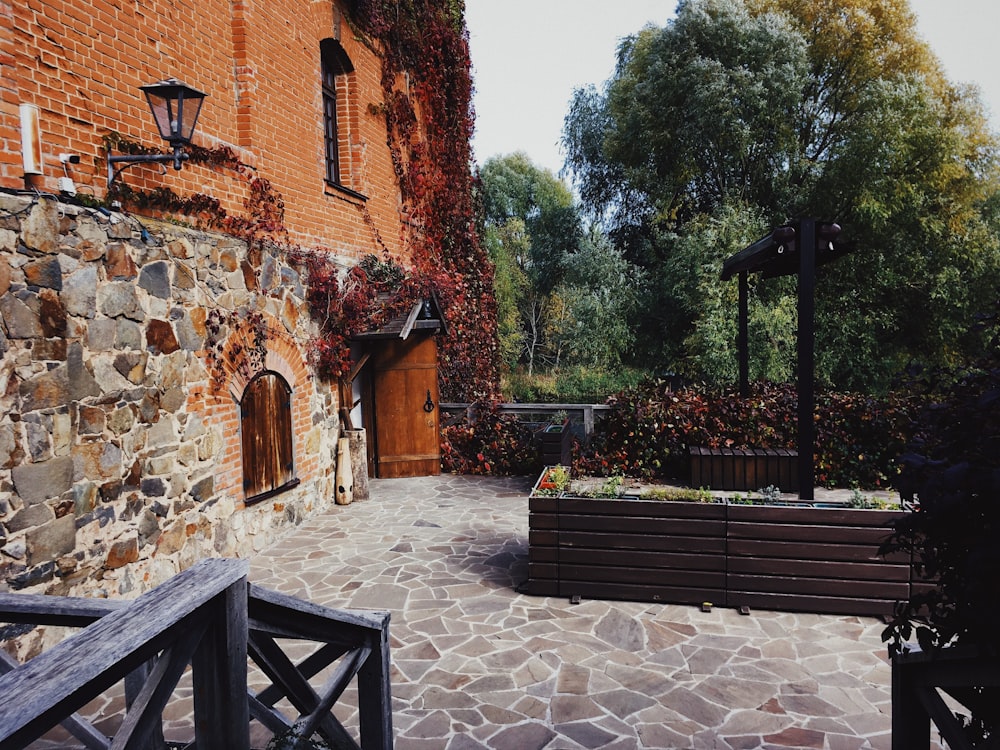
744, 468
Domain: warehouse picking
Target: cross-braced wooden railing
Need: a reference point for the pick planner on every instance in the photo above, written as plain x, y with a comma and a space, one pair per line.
207, 617
969, 677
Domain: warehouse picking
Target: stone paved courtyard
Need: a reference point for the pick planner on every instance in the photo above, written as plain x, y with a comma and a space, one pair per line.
478, 665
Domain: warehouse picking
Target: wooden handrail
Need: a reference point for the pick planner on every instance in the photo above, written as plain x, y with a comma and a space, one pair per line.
211, 618
39, 694
588, 412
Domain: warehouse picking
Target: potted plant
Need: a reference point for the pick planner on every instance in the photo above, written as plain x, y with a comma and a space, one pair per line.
553, 481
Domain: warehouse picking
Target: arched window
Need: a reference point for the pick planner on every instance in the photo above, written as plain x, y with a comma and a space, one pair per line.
266, 426
336, 66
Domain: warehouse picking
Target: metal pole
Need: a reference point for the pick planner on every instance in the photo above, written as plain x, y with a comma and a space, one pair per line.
806, 351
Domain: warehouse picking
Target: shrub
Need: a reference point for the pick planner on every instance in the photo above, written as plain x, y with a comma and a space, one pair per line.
952, 476
649, 429
489, 443
574, 385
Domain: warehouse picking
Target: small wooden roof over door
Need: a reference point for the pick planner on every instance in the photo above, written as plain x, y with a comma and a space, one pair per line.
424, 315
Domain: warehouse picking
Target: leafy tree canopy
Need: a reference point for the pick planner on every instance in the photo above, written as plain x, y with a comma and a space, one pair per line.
515, 189
785, 108
565, 295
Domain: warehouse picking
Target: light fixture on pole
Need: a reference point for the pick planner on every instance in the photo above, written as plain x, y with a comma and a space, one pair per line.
175, 107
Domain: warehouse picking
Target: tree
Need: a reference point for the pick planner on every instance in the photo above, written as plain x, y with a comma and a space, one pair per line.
596, 302
530, 224
566, 295
826, 108
513, 188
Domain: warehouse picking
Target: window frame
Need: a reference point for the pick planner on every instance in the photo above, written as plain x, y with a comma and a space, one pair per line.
336, 66
267, 442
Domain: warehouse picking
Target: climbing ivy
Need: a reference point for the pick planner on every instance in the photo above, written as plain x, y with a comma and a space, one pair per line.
429, 127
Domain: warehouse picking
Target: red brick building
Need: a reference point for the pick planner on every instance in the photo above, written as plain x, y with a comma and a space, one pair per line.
157, 398
262, 66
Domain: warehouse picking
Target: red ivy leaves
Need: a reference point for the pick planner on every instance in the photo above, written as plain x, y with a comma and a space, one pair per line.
429, 140
649, 429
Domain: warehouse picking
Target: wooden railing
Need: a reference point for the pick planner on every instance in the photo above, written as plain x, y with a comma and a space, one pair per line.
207, 617
967, 676
588, 413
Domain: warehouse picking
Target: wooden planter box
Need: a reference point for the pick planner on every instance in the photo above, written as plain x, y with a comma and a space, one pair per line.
767, 557
555, 444
744, 469
626, 549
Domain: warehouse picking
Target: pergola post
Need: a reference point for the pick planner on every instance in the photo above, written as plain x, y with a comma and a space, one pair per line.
806, 351
792, 248
743, 343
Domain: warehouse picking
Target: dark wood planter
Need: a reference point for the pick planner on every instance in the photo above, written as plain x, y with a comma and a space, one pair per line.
744, 469
626, 549
767, 557
555, 443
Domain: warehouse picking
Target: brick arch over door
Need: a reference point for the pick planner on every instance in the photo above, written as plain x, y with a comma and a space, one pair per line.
221, 404
266, 437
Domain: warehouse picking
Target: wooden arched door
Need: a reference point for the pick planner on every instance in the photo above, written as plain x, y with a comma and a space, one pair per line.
404, 433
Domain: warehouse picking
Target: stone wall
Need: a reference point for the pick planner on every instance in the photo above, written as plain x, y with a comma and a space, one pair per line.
122, 364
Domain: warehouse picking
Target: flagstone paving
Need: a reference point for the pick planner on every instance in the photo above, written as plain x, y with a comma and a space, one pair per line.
478, 665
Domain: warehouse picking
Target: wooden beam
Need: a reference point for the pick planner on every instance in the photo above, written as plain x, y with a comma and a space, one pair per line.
281, 671
219, 671
375, 693
75, 724
56, 683
274, 720
807, 356
404, 333
358, 366
144, 716
308, 667
135, 681
333, 689
39, 609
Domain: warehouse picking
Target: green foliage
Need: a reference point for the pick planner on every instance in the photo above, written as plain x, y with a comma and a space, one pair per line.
649, 429
611, 488
770, 494
564, 296
678, 494
741, 114
559, 476
952, 474
597, 300
570, 385
863, 502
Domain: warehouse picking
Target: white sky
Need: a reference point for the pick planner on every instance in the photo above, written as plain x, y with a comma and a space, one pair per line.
529, 55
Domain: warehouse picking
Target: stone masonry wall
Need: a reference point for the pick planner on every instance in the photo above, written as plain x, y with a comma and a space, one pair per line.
120, 455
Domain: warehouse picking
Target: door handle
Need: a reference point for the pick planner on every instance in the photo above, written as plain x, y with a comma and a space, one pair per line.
429, 403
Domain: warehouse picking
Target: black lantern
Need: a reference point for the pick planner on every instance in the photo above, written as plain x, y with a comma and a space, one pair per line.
175, 107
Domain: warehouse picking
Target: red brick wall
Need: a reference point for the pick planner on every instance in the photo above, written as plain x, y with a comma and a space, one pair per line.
82, 62
219, 406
